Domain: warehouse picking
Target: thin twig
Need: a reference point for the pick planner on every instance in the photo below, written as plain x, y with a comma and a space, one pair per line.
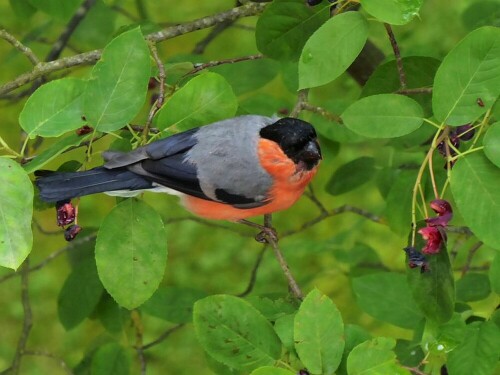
420, 90
59, 360
312, 196
207, 223
253, 275
139, 333
397, 54
211, 64
91, 57
292, 283
337, 211
162, 337
26, 51
200, 47
73, 23
161, 95
322, 112
250, 9
299, 105
414, 370
470, 255
51, 257
28, 318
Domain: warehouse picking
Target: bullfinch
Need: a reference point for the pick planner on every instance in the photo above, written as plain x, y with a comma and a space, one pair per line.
231, 169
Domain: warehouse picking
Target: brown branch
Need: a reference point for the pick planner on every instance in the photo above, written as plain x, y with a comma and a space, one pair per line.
139, 333
42, 69
397, 54
162, 337
420, 90
312, 196
250, 9
73, 23
470, 256
28, 318
337, 211
292, 283
161, 96
299, 105
26, 51
211, 64
200, 47
207, 223
253, 275
322, 112
414, 370
51, 257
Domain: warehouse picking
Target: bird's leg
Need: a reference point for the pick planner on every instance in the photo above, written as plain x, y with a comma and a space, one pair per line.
265, 232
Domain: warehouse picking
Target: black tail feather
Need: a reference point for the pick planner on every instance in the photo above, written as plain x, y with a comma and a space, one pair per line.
57, 186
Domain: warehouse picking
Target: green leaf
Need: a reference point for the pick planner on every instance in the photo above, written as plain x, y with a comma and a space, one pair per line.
469, 72
285, 26
267, 370
478, 353
79, 295
387, 297
248, 76
54, 108
233, 332
331, 49
354, 335
60, 9
395, 12
383, 116
351, 175
419, 72
319, 334
495, 274
271, 309
481, 13
111, 316
118, 84
131, 252
16, 210
174, 304
22, 8
55, 150
374, 357
398, 209
284, 329
204, 99
433, 290
473, 287
110, 359
491, 144
474, 184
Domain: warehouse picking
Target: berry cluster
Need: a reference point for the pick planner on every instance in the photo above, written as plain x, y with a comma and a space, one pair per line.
66, 215
434, 233
459, 134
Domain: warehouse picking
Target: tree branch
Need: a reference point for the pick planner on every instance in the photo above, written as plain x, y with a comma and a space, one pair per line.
28, 318
397, 54
211, 64
162, 337
26, 51
87, 58
253, 275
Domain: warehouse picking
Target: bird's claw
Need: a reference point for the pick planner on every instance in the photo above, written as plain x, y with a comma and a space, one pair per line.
267, 235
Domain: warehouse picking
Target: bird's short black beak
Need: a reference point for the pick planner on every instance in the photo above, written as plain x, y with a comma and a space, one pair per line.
312, 152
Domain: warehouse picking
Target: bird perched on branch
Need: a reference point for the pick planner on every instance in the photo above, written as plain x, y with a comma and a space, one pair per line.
231, 169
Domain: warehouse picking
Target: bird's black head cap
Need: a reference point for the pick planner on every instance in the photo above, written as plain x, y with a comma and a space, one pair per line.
297, 139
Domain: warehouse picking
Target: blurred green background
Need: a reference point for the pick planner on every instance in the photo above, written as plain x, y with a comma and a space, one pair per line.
201, 257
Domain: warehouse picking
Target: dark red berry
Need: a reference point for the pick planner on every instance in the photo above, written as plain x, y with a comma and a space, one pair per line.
152, 83
85, 129
444, 211
465, 132
66, 213
303, 372
313, 3
71, 232
480, 102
